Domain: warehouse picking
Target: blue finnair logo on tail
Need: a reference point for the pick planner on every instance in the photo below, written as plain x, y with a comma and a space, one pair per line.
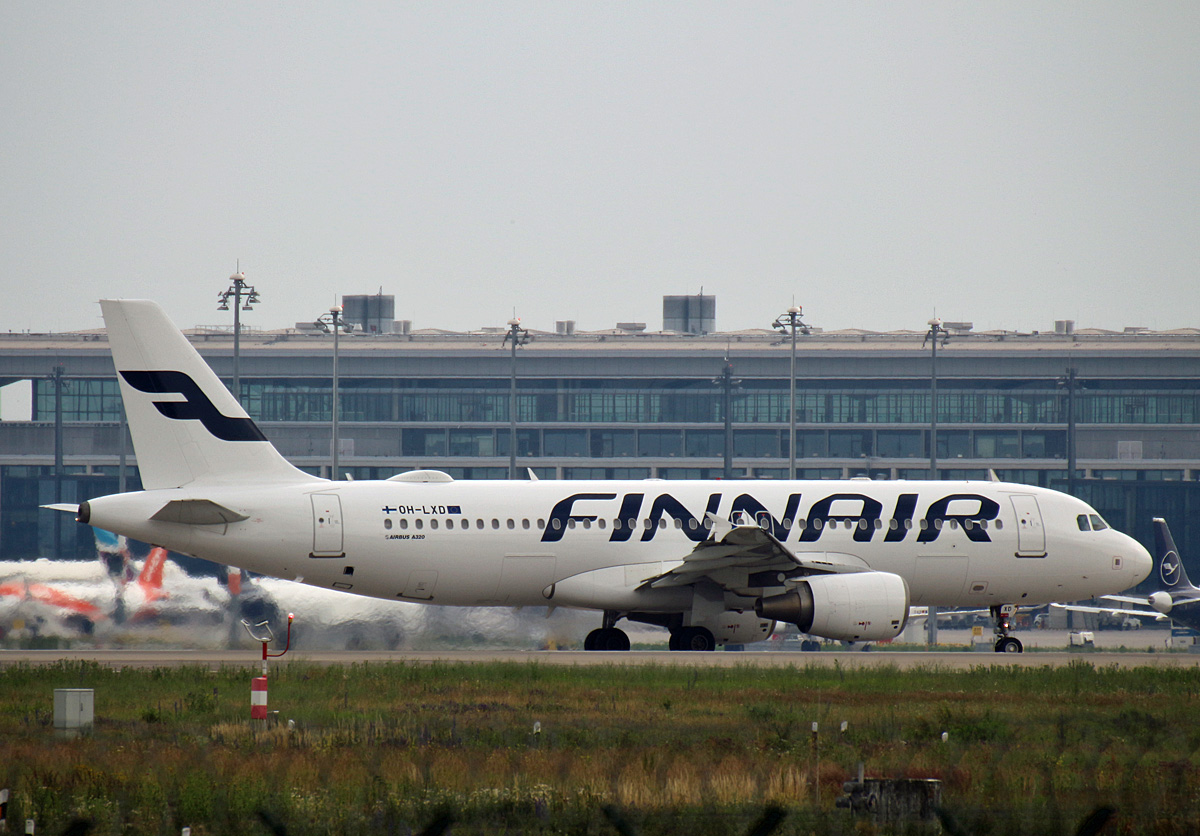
195, 405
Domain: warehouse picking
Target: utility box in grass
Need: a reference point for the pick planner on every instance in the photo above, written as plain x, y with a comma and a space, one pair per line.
73, 708
893, 800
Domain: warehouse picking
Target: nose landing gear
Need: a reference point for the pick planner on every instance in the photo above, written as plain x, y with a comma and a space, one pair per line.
1004, 642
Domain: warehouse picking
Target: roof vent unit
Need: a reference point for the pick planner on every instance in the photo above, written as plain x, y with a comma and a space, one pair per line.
958, 327
1136, 329
1064, 327
632, 327
690, 314
564, 327
370, 314
402, 326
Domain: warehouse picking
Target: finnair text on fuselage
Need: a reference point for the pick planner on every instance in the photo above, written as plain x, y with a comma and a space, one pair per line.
859, 511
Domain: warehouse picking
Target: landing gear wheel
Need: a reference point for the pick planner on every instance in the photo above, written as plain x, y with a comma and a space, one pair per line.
606, 638
692, 638
1004, 642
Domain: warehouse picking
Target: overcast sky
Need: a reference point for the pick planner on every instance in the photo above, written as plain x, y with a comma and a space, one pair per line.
1009, 163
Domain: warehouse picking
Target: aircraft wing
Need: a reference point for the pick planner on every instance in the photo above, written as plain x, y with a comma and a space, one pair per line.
740, 556
1127, 599
1157, 616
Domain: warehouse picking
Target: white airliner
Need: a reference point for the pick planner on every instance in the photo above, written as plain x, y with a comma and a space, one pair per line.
714, 562
1173, 597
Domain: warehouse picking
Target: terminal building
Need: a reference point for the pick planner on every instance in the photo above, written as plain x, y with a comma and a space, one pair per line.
632, 403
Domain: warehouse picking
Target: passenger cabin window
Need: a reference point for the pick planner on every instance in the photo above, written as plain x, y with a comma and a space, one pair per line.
1082, 521
1097, 523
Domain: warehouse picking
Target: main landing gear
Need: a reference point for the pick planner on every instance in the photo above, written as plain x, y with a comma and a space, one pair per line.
607, 637
692, 638
1004, 642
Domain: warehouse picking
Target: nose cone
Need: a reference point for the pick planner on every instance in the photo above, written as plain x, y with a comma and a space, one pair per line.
1137, 559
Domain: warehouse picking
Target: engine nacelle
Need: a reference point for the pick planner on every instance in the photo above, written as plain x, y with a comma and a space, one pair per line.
1162, 602
858, 606
733, 627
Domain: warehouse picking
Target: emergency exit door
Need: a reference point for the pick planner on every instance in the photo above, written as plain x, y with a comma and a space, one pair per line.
327, 525
1031, 536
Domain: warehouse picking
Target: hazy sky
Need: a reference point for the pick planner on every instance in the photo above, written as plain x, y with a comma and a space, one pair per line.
1009, 163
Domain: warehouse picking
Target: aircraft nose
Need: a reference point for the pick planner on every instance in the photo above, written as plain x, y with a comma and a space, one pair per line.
1137, 559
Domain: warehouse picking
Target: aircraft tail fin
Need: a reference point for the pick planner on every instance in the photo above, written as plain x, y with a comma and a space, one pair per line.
186, 426
1170, 567
151, 577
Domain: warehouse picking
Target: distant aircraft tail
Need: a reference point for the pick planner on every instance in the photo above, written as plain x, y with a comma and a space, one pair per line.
151, 577
186, 426
1170, 568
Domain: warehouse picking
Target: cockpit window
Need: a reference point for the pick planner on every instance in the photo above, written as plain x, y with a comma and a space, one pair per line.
1097, 523
1084, 525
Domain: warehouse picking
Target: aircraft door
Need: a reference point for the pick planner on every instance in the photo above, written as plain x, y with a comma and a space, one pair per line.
327, 525
1031, 536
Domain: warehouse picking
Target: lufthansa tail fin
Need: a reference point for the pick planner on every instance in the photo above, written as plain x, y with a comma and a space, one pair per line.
186, 426
1170, 567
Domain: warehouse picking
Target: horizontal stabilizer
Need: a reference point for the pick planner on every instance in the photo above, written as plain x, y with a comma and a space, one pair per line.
197, 512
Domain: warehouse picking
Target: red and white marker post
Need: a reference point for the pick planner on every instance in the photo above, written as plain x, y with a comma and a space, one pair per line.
258, 685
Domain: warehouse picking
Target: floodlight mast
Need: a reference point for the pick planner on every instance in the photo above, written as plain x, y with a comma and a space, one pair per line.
936, 331
334, 321
516, 336
238, 289
790, 321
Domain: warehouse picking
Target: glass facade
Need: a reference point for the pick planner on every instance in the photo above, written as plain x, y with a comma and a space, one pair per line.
668, 402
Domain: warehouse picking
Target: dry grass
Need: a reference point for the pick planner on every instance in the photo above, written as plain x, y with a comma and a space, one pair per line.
385, 747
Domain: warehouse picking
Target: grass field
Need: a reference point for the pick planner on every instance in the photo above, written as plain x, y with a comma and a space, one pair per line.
385, 748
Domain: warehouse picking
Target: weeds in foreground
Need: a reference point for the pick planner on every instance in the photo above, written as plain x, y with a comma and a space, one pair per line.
383, 748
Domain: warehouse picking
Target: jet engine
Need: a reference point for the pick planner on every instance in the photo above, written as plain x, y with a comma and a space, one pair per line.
1162, 602
859, 606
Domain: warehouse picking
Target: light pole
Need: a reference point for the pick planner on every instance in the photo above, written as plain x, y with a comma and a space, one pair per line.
238, 289
516, 336
1068, 380
790, 321
727, 383
57, 377
935, 332
327, 322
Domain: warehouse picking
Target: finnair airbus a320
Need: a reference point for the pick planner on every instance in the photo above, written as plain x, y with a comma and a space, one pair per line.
714, 562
